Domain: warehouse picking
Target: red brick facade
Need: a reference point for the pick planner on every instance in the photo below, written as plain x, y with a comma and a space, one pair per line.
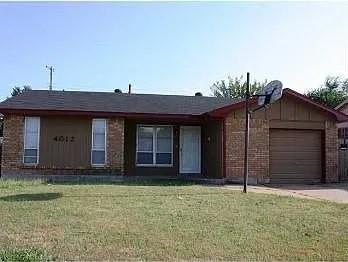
12, 147
13, 144
259, 150
331, 152
115, 144
258, 154
12, 153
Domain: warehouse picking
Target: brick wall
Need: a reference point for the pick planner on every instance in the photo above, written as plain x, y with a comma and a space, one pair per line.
12, 153
331, 152
258, 150
12, 148
115, 145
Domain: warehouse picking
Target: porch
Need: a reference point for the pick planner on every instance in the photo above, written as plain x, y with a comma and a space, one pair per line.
189, 149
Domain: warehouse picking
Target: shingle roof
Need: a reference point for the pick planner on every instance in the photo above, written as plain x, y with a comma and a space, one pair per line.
114, 102
341, 104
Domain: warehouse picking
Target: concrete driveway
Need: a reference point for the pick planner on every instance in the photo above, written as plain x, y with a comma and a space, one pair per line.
331, 192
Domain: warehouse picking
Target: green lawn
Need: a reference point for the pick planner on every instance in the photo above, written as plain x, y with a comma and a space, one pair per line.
168, 221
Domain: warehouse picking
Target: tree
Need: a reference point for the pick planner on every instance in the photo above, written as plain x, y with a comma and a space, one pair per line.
333, 92
235, 87
17, 90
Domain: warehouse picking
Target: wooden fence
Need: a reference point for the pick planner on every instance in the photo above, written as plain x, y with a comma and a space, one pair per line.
343, 164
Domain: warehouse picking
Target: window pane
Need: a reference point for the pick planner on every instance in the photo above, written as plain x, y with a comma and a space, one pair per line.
145, 144
164, 139
30, 156
164, 145
30, 152
99, 126
31, 140
32, 124
145, 131
98, 141
164, 131
31, 132
164, 158
30, 160
144, 158
145, 138
98, 157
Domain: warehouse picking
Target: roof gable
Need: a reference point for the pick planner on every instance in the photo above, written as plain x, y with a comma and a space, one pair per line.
223, 111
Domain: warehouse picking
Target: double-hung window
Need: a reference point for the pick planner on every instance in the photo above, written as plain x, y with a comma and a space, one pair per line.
98, 155
31, 140
154, 145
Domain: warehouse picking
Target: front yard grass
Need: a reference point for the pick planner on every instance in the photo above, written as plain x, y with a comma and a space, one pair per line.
168, 221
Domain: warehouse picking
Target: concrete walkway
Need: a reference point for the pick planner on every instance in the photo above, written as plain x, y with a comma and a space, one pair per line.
331, 192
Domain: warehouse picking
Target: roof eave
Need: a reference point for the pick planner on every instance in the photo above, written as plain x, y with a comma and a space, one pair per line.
341, 104
38, 112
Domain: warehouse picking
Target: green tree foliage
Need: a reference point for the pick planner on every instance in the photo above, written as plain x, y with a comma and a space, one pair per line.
235, 87
15, 92
333, 92
18, 90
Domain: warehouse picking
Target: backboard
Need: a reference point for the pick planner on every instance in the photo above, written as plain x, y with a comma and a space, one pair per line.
270, 93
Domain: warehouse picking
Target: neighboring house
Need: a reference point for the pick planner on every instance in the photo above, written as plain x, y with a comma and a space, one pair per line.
94, 133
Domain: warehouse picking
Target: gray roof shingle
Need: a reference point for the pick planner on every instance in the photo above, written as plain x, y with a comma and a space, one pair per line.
114, 102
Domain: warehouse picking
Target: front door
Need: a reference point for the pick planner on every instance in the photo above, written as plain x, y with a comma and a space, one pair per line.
190, 149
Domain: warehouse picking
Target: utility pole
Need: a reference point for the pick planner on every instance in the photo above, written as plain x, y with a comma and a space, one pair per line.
51, 75
246, 138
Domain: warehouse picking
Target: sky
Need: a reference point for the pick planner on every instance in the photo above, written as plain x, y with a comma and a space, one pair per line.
170, 48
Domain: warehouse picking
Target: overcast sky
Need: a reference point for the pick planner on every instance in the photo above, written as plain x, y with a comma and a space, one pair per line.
170, 48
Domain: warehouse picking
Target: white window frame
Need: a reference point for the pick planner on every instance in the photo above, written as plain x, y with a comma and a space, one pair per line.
105, 144
154, 146
38, 140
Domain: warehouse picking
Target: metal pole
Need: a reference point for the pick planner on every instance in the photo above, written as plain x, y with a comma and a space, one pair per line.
246, 136
51, 75
51, 69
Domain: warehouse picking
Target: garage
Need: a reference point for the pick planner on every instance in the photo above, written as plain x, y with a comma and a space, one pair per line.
295, 156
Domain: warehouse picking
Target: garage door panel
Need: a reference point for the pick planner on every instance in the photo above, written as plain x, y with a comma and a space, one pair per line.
302, 164
286, 140
296, 176
295, 148
306, 170
305, 156
295, 156
296, 181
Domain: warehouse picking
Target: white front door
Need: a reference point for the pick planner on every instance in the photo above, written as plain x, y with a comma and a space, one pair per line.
190, 149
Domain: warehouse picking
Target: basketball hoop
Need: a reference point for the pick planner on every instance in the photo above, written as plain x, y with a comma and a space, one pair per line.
269, 94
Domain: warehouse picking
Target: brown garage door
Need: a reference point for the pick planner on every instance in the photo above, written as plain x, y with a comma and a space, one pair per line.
295, 156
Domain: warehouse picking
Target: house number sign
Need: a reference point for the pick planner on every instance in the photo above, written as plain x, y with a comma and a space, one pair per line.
64, 138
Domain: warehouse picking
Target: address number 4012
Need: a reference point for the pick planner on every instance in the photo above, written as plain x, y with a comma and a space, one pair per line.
64, 138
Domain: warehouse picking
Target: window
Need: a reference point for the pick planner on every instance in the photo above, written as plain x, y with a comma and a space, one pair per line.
31, 140
98, 142
343, 133
154, 146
